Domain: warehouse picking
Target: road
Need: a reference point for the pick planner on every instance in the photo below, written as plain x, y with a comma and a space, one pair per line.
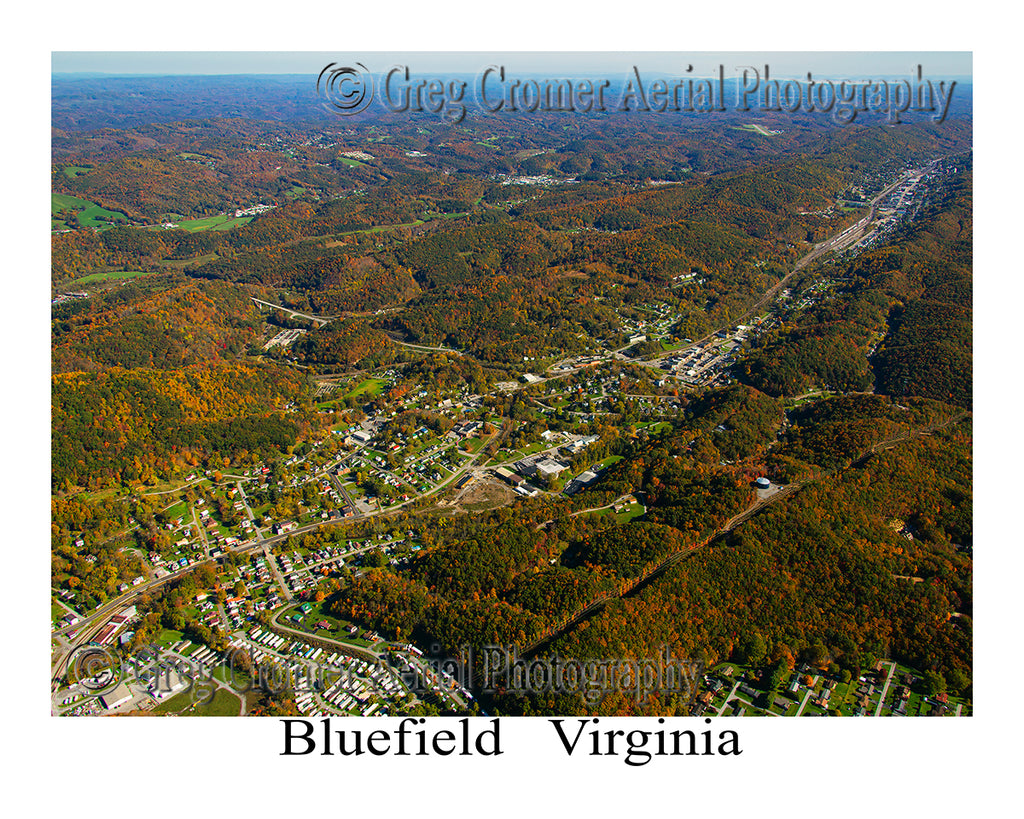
261, 543
725, 704
423, 347
373, 655
885, 688
202, 532
290, 312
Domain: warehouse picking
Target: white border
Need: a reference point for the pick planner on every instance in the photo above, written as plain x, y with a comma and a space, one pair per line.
842, 767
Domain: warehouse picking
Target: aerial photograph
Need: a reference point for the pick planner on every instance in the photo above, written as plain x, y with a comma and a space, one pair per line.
516, 384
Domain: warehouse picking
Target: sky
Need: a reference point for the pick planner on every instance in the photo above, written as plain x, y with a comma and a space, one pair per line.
836, 64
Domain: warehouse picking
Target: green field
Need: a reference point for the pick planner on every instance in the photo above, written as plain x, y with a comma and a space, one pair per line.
89, 214
371, 386
634, 510
316, 614
353, 163
223, 222
471, 445
110, 275
223, 704
167, 637
178, 264
74, 171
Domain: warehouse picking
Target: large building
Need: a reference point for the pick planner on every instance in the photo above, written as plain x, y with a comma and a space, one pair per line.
118, 696
550, 468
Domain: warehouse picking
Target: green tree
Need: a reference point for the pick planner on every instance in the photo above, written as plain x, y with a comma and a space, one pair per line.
933, 683
752, 649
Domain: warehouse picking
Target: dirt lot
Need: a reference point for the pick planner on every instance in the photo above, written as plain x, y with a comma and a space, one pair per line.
482, 494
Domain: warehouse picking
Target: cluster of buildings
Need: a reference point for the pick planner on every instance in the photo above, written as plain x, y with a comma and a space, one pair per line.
115, 625
60, 298
539, 179
325, 682
255, 210
705, 364
284, 339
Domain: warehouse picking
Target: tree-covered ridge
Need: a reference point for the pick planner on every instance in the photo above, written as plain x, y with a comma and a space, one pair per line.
837, 541
928, 349
885, 534
403, 609
833, 432
156, 324
636, 231
914, 292
346, 342
120, 425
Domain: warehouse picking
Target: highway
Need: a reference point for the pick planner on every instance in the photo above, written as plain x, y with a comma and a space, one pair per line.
291, 312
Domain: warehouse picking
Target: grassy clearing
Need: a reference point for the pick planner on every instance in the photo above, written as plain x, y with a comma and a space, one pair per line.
63, 201
75, 171
337, 631
757, 129
635, 510
471, 445
88, 214
371, 386
103, 494
110, 275
222, 222
223, 704
177, 510
233, 677
177, 264
168, 637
